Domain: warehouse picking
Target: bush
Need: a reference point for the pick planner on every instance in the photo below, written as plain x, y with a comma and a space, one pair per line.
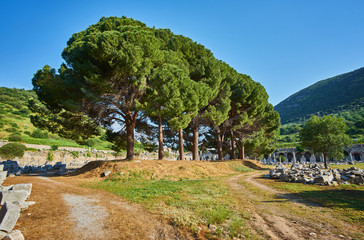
37, 133
54, 147
12, 129
14, 125
14, 137
91, 142
50, 156
27, 133
12, 150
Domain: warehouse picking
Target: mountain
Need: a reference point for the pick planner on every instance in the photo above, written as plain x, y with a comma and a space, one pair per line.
333, 95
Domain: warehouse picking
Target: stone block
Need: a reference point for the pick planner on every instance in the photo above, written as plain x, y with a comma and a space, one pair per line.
3, 174
6, 188
23, 186
13, 196
15, 235
22, 205
9, 215
106, 173
3, 234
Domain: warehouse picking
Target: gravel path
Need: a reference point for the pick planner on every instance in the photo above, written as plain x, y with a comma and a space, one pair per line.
89, 216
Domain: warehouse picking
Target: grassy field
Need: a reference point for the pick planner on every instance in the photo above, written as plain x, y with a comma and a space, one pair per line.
347, 201
357, 165
192, 204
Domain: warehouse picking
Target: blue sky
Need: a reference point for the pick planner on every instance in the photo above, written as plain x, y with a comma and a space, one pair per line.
284, 45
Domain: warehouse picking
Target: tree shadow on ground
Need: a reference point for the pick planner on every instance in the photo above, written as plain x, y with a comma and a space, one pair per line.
331, 198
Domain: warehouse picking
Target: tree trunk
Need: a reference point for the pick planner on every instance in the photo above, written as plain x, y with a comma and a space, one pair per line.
218, 143
195, 140
160, 138
181, 150
325, 161
130, 124
242, 150
238, 144
232, 145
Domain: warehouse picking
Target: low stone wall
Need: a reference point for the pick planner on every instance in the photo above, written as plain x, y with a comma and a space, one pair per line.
13, 202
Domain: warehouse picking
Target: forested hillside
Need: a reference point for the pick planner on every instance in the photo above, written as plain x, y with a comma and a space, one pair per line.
331, 96
15, 122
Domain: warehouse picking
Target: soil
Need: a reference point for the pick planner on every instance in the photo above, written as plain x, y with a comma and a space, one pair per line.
158, 169
63, 210
278, 223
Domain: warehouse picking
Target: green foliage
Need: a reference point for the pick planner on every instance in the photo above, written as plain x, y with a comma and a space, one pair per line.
11, 130
15, 137
74, 154
50, 156
37, 133
91, 142
328, 96
54, 147
12, 150
325, 135
166, 154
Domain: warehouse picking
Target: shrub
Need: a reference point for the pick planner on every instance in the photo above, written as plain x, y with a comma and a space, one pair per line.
166, 154
27, 133
54, 147
15, 137
50, 156
91, 142
74, 154
12, 150
14, 125
12, 129
37, 133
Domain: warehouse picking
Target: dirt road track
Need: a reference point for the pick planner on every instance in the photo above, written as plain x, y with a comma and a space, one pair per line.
277, 222
60, 213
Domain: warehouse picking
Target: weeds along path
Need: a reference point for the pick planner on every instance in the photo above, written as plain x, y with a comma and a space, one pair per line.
63, 210
280, 216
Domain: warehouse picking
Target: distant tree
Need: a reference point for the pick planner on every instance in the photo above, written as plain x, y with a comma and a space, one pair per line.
325, 135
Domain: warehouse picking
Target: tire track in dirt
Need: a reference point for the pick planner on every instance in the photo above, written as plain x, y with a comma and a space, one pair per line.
63, 210
273, 221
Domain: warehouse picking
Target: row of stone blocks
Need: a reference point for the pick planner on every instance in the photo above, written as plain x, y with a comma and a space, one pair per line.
13, 201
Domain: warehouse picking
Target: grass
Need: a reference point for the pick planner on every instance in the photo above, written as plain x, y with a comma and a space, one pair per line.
239, 167
357, 165
191, 204
347, 201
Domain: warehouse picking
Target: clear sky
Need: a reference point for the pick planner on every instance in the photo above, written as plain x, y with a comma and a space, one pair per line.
285, 45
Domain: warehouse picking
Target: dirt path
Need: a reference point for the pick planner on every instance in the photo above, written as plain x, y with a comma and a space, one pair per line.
283, 217
65, 211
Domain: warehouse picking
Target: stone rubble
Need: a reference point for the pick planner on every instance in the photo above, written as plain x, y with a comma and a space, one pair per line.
13, 200
316, 174
13, 168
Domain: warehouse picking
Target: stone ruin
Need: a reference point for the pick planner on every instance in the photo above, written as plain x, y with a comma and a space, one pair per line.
13, 202
13, 168
316, 174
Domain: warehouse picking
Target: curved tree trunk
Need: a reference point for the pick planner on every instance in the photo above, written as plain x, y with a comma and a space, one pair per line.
160, 138
218, 143
181, 150
232, 145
